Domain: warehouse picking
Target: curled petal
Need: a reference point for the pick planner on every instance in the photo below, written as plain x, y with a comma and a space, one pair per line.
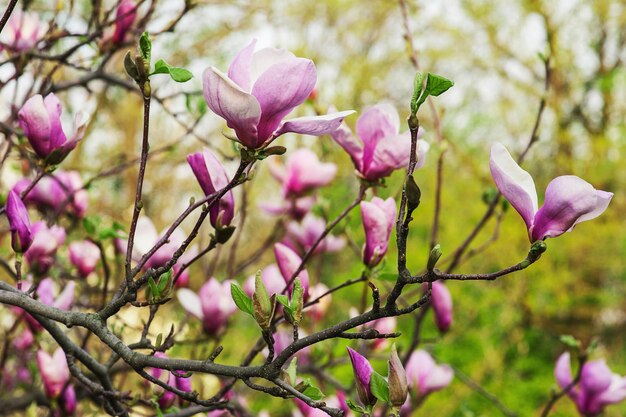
190, 302
515, 184
314, 125
239, 70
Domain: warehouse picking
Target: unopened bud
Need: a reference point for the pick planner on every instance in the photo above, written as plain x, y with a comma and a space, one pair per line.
413, 193
434, 256
398, 386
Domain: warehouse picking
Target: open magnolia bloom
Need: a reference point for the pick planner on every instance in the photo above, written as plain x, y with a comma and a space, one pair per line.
569, 200
260, 89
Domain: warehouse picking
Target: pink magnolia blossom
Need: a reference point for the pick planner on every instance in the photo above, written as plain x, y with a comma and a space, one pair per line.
68, 401
296, 208
598, 386
381, 148
425, 376
46, 241
213, 304
174, 379
441, 301
54, 372
19, 223
260, 89
124, 18
379, 217
48, 293
283, 338
302, 173
23, 31
61, 191
302, 235
288, 262
362, 370
212, 177
569, 199
41, 121
84, 255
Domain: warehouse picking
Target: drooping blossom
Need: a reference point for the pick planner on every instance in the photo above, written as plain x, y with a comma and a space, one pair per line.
379, 149
598, 386
568, 201
260, 89
46, 241
302, 235
213, 304
212, 177
174, 379
441, 302
288, 262
61, 191
302, 173
41, 121
22, 32
362, 370
54, 372
84, 255
272, 279
19, 223
379, 217
425, 376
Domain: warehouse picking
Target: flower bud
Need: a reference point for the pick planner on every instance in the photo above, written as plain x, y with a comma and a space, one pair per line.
398, 389
19, 223
363, 374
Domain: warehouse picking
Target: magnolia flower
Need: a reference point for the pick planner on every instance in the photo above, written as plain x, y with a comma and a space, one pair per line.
84, 255
381, 149
213, 304
302, 173
19, 223
124, 18
41, 121
334, 401
362, 370
68, 402
54, 372
425, 376
441, 301
569, 199
379, 217
46, 241
302, 235
283, 338
22, 32
48, 293
598, 386
294, 207
260, 89
212, 177
288, 262
59, 192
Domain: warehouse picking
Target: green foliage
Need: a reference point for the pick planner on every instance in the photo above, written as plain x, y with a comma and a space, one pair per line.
180, 75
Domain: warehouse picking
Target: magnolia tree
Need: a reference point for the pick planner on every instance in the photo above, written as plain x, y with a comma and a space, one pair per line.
68, 279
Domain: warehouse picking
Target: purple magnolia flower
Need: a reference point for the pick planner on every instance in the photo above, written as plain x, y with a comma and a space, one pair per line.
19, 223
381, 148
124, 18
379, 217
84, 255
213, 304
302, 235
334, 401
54, 372
174, 379
283, 338
22, 32
569, 199
68, 401
212, 177
293, 207
441, 301
46, 241
59, 192
41, 121
363, 374
598, 386
302, 173
260, 89
48, 293
425, 376
288, 262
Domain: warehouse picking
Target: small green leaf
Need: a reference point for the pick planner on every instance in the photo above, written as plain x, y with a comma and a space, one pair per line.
379, 387
570, 341
437, 85
154, 292
297, 301
180, 75
356, 408
281, 298
417, 89
90, 224
145, 46
292, 370
159, 339
164, 285
241, 299
310, 390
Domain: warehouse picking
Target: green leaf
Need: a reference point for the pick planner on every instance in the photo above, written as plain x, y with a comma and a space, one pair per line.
154, 292
281, 298
570, 341
159, 339
379, 387
292, 370
310, 390
180, 75
241, 299
145, 46
297, 301
417, 89
356, 408
164, 285
90, 224
437, 85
